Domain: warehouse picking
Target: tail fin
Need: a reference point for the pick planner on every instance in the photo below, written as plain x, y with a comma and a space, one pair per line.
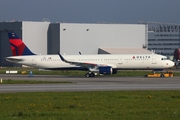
17, 46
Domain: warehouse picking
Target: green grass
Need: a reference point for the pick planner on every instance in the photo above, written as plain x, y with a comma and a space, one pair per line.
43, 72
115, 105
77, 73
10, 81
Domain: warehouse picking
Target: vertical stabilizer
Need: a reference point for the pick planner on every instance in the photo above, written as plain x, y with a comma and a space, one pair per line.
17, 46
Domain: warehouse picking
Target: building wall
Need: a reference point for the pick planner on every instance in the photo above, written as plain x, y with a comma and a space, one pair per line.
164, 42
70, 38
163, 38
87, 38
53, 38
34, 35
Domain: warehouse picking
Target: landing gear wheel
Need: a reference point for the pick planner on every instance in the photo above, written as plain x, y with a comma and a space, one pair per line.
87, 75
92, 74
162, 75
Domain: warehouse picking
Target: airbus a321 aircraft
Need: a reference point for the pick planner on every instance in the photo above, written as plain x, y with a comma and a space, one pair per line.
101, 64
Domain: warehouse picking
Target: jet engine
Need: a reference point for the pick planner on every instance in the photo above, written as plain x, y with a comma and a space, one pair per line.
105, 70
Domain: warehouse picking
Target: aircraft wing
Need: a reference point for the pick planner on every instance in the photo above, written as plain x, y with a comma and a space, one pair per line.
82, 64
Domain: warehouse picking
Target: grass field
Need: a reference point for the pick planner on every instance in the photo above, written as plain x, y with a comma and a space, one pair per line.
78, 73
107, 105
9, 81
112, 105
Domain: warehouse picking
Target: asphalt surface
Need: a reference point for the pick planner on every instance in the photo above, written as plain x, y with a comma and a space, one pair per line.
99, 83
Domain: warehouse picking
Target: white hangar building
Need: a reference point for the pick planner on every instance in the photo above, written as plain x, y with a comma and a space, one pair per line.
87, 38
72, 38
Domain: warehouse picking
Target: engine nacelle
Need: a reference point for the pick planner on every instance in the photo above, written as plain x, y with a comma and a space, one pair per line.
105, 70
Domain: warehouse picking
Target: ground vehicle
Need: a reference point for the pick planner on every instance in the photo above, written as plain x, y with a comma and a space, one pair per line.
163, 74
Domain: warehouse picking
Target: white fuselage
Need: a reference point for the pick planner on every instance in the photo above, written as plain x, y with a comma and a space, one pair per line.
122, 61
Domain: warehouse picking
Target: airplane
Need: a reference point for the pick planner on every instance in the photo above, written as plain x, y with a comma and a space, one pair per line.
93, 64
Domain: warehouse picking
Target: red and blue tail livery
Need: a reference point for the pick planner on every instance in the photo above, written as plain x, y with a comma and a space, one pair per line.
17, 46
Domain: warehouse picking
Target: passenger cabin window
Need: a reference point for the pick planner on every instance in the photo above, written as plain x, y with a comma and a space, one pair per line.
163, 58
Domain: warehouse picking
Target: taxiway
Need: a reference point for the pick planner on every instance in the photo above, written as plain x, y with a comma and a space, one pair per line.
99, 83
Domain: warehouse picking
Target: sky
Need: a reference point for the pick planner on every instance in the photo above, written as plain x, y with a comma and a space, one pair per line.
91, 11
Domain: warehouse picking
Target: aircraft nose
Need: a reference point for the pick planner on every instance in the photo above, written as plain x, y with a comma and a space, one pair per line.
171, 63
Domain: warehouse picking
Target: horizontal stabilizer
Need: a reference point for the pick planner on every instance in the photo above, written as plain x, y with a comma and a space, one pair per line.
14, 59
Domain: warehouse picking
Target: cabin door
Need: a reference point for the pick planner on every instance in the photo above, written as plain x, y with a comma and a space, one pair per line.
153, 59
120, 61
33, 60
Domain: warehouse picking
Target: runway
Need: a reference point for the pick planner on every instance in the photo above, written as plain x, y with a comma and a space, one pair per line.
99, 83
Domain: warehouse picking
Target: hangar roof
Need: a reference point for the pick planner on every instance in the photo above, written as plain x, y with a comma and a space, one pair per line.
123, 51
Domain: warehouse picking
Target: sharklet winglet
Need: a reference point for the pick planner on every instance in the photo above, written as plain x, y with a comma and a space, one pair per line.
61, 57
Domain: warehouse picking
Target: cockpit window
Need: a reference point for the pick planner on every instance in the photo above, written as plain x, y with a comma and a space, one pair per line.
163, 58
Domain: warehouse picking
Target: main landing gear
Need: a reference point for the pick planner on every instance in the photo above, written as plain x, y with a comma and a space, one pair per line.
89, 74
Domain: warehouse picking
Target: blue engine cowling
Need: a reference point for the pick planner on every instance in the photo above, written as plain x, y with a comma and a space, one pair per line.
105, 70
